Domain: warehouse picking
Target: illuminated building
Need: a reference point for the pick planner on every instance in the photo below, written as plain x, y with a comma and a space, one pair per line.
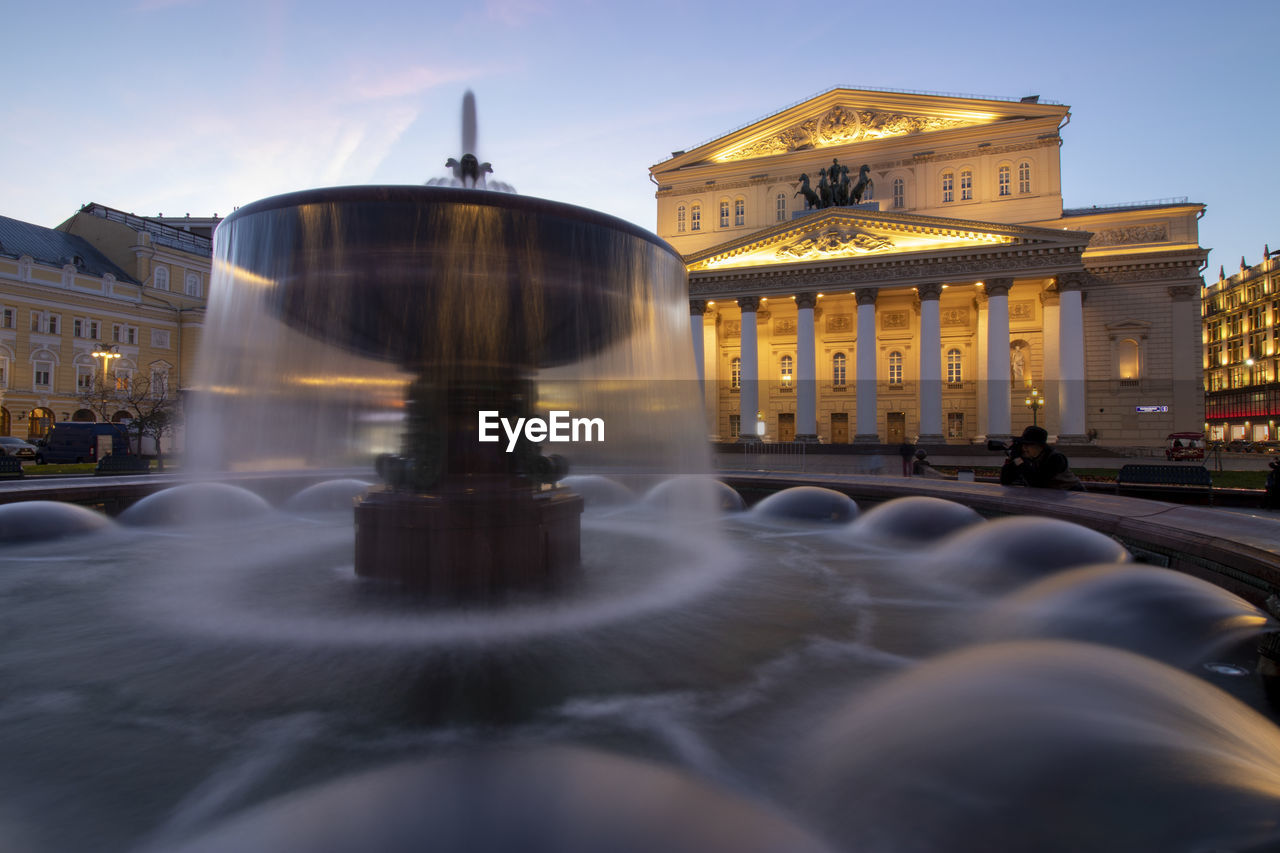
934, 305
1242, 359
104, 282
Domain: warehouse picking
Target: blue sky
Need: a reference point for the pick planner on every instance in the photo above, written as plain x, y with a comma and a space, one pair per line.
196, 106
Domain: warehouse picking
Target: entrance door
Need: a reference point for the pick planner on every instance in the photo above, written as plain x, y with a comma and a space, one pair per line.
786, 426
839, 427
897, 427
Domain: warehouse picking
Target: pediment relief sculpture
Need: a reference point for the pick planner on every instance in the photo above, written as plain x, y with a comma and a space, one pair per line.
833, 242
841, 125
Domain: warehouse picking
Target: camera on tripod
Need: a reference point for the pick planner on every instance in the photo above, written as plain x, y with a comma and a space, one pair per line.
1012, 449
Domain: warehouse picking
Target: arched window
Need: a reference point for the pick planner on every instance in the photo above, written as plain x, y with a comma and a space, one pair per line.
786, 363
781, 205
899, 193
1003, 176
160, 278
39, 423
740, 211
695, 218
838, 369
193, 284
966, 185
121, 417
895, 368
1127, 360
1024, 176
954, 372
724, 213
948, 187
735, 372
680, 219
83, 416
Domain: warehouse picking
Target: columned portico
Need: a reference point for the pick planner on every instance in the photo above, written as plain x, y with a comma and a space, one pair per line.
806, 370
749, 392
1052, 366
930, 366
998, 382
1071, 398
867, 429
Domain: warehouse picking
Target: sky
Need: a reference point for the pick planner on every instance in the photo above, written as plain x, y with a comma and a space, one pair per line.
198, 106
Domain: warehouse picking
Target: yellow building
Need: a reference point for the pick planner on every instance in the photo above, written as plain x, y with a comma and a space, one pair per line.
936, 302
1242, 355
103, 281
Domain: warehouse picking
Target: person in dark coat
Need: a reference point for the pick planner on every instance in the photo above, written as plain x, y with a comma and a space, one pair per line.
907, 451
1033, 463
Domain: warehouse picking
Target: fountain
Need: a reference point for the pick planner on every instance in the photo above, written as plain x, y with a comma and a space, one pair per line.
222, 670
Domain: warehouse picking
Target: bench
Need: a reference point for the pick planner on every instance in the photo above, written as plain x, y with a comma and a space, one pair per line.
11, 467
1170, 479
124, 463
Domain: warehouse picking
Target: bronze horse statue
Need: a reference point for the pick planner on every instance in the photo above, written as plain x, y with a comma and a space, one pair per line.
864, 185
811, 199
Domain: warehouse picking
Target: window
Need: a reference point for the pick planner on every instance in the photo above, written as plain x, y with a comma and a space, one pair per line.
193, 284
1127, 359
42, 371
680, 219
82, 328
93, 329
899, 193
895, 368
724, 214
4, 371
735, 372
8, 318
695, 218
51, 323
123, 334
84, 378
735, 425
955, 424
740, 211
948, 187
122, 379
1002, 181
78, 328
966, 185
160, 278
159, 382
781, 205
44, 322
838, 369
954, 372
1024, 176
786, 363
160, 338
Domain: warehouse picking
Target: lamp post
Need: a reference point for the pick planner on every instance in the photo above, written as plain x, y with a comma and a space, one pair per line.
1034, 402
106, 354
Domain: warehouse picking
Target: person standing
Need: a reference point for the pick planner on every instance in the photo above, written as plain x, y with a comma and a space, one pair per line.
907, 451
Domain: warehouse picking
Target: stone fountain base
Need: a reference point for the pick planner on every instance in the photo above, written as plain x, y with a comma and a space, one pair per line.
470, 546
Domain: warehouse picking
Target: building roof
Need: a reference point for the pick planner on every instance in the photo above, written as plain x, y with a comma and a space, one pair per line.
55, 248
162, 230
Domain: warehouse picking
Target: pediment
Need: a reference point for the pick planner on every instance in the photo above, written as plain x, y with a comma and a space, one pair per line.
845, 116
843, 234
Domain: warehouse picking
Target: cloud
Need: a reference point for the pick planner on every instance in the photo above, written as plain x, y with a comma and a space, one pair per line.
403, 82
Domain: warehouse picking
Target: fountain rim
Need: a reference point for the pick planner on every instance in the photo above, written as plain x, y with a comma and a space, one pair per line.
415, 194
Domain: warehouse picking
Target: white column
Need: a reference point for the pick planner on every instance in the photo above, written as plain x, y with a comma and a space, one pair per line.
1071, 399
749, 393
711, 373
998, 382
1188, 358
1052, 415
867, 429
698, 308
930, 366
980, 305
806, 370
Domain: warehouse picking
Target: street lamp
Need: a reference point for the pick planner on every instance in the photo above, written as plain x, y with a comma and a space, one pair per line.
106, 354
1034, 402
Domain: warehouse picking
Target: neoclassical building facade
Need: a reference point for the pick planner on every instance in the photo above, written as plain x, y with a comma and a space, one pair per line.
880, 266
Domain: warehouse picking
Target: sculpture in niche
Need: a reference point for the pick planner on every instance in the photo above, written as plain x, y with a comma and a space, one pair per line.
1019, 362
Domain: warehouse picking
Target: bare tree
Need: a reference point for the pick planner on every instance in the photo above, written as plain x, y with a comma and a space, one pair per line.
155, 409
100, 397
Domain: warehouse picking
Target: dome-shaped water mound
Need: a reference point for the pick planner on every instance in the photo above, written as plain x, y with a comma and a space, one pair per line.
1160, 613
546, 800
598, 492
1007, 552
1045, 746
694, 494
807, 503
915, 519
329, 496
196, 503
41, 521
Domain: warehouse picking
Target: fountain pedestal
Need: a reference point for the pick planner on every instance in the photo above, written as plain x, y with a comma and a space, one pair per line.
468, 544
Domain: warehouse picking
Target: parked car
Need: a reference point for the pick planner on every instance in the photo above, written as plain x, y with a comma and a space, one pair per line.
1272, 447
78, 442
1238, 445
13, 446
